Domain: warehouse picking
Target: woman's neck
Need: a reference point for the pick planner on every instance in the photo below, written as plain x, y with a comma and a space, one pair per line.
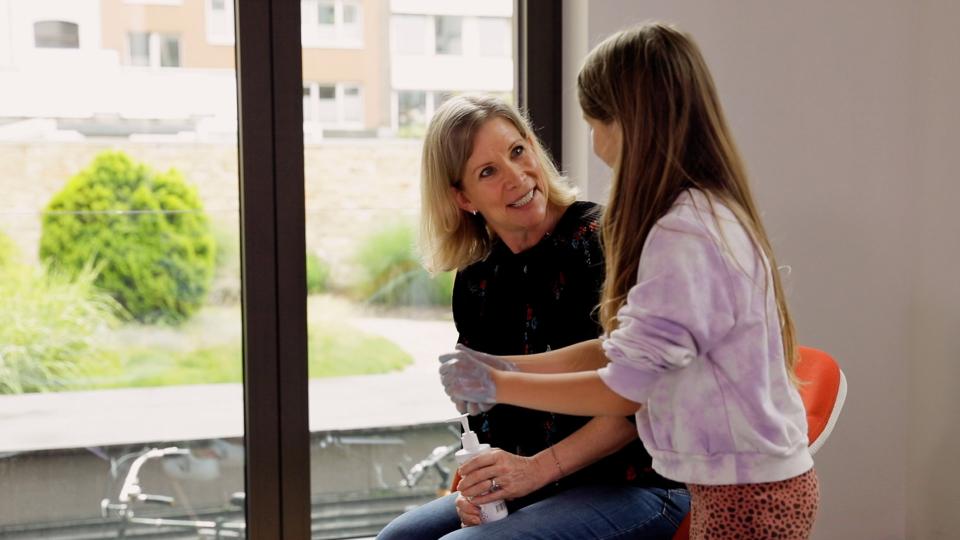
523, 239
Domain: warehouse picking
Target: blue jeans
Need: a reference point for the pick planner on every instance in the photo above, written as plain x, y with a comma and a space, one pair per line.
580, 513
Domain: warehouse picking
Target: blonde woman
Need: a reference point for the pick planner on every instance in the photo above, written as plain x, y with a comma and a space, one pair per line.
529, 271
698, 336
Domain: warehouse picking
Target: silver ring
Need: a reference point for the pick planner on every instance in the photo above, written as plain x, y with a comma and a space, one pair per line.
494, 486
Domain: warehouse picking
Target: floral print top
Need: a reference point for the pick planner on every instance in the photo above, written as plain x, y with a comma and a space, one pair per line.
541, 299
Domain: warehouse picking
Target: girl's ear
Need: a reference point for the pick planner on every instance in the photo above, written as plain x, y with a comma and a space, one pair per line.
463, 202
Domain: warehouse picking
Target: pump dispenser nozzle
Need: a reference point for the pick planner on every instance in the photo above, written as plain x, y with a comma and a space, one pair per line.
469, 438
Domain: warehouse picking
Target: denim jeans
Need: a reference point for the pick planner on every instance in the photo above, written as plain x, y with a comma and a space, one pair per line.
580, 513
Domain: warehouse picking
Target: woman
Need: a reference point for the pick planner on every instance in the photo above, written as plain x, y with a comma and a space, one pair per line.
529, 275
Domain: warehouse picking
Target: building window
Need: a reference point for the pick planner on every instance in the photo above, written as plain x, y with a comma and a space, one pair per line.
139, 47
56, 35
326, 13
220, 22
352, 104
333, 104
449, 34
169, 50
412, 108
150, 49
331, 23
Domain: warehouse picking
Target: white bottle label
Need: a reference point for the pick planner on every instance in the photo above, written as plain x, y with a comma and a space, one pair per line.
493, 511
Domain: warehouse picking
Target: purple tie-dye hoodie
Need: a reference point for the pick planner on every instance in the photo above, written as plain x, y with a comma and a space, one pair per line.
699, 345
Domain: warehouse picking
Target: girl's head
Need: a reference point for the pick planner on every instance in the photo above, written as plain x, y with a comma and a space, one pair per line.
651, 102
484, 174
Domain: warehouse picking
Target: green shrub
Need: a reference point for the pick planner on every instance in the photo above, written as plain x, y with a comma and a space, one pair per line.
9, 254
49, 328
318, 274
391, 273
144, 231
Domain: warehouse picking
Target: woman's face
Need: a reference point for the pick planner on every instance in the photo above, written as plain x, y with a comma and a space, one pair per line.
503, 180
607, 140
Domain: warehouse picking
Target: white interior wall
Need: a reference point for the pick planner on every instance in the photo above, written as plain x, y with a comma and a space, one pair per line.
847, 118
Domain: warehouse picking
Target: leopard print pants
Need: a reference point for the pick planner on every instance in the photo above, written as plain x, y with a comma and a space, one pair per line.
782, 510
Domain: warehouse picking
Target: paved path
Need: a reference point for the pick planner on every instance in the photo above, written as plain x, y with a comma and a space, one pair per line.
107, 417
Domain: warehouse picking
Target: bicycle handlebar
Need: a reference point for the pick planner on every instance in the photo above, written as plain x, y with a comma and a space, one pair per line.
131, 484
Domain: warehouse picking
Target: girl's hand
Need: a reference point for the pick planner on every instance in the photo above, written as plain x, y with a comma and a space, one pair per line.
469, 513
494, 361
498, 475
466, 379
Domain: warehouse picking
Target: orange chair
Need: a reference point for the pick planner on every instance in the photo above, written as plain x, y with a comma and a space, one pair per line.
823, 390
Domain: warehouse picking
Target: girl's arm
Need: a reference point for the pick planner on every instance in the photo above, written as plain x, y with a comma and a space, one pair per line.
583, 356
583, 393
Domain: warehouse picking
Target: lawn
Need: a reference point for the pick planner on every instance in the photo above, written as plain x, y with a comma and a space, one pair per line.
208, 350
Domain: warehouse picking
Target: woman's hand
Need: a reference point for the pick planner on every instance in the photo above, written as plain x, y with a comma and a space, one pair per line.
469, 513
498, 475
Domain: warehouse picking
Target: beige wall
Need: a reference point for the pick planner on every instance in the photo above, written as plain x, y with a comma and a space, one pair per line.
846, 115
187, 19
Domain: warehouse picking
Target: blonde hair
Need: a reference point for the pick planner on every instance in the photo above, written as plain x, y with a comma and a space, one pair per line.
451, 239
654, 82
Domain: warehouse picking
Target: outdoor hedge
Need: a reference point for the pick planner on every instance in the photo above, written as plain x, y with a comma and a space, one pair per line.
145, 232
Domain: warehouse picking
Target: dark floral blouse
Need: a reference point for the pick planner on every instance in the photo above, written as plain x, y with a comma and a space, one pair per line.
541, 299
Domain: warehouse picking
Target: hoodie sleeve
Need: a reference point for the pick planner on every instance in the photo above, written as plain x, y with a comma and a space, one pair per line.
682, 305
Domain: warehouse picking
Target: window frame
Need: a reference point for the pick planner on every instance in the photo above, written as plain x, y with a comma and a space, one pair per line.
270, 114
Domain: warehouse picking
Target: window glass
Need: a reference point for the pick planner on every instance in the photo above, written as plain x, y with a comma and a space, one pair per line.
121, 346
449, 32
139, 43
170, 51
325, 13
56, 35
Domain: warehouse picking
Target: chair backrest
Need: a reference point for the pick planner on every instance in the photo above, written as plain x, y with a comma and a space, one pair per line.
823, 390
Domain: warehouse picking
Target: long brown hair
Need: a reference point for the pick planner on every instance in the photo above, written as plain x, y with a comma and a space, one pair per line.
654, 82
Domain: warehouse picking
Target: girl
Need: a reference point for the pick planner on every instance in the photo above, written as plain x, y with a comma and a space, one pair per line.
698, 341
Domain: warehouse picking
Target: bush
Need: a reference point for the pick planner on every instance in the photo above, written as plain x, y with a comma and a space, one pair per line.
49, 326
318, 274
9, 254
145, 232
391, 273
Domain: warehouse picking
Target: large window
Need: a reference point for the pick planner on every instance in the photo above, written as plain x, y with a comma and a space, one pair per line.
147, 355
120, 315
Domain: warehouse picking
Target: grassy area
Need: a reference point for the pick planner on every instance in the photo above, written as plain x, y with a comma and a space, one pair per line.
335, 349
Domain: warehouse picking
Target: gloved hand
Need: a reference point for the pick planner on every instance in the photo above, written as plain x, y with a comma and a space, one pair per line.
468, 380
496, 362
